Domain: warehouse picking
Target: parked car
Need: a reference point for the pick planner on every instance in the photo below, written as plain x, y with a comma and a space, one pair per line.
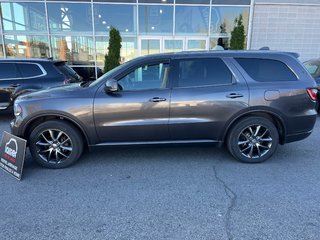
88, 73
250, 100
18, 76
313, 67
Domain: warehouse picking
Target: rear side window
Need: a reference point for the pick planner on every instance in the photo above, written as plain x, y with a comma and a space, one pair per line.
8, 70
203, 72
29, 70
266, 70
67, 71
313, 68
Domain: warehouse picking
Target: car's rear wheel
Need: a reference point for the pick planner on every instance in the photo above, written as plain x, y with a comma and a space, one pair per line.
253, 140
55, 144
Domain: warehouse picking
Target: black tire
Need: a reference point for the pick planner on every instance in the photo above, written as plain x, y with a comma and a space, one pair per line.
62, 138
255, 145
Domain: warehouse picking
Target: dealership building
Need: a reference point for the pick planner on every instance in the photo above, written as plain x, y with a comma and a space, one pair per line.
77, 31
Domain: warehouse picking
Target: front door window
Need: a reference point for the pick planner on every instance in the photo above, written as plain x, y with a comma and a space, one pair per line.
145, 77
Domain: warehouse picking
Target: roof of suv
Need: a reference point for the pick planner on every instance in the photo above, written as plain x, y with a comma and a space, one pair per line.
29, 60
227, 53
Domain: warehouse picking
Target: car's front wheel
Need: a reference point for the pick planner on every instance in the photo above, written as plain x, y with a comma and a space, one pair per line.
253, 140
55, 144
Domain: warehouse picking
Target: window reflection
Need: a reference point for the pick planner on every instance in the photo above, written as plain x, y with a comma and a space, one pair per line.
155, 19
1, 47
192, 20
73, 48
231, 2
23, 46
223, 22
156, 1
150, 46
23, 17
173, 45
196, 45
70, 17
121, 17
128, 49
116, 1
192, 1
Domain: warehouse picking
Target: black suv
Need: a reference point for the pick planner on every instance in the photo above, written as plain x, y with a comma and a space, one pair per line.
249, 100
18, 76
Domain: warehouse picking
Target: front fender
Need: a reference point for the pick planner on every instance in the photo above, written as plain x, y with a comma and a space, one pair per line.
22, 90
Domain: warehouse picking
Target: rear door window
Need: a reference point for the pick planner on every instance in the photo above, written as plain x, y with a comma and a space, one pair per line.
202, 72
28, 70
8, 71
266, 70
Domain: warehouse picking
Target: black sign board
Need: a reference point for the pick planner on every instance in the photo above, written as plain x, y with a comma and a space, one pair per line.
12, 153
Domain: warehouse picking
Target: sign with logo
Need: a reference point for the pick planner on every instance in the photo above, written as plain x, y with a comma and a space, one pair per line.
12, 153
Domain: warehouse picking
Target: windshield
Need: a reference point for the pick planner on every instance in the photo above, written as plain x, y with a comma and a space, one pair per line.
67, 71
105, 76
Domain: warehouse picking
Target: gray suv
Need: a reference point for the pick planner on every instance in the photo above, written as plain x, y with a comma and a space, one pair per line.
250, 100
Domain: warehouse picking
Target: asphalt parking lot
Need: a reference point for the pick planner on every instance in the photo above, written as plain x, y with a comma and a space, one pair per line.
166, 193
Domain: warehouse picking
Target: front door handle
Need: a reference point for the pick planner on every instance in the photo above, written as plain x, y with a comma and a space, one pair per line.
15, 85
234, 95
157, 99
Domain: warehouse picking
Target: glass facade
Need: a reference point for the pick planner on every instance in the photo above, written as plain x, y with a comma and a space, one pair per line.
77, 31
192, 20
156, 20
26, 46
70, 18
23, 17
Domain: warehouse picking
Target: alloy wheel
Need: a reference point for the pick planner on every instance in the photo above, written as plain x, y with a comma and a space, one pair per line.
254, 141
54, 146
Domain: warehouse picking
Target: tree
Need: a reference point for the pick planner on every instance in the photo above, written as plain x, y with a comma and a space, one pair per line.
112, 58
237, 35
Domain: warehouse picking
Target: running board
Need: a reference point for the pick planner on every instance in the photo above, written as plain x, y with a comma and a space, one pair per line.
153, 143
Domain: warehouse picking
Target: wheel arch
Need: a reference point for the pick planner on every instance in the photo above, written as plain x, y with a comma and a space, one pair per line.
40, 119
272, 116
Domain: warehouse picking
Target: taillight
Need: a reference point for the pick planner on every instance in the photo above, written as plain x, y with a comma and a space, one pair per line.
312, 93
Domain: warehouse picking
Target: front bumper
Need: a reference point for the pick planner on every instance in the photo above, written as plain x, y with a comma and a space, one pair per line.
15, 126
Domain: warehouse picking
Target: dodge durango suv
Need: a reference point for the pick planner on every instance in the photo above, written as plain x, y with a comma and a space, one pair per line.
251, 101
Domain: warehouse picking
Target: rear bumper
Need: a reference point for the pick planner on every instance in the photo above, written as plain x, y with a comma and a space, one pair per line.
299, 127
296, 137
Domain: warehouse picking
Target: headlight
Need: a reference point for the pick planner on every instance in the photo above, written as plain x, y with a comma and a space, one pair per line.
17, 109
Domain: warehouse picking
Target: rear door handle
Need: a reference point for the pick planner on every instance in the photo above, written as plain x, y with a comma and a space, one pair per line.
15, 85
157, 99
234, 95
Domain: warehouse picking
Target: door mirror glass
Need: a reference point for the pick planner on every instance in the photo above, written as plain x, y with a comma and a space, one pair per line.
111, 86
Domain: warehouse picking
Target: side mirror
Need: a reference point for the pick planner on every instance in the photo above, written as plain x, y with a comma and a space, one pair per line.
111, 86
